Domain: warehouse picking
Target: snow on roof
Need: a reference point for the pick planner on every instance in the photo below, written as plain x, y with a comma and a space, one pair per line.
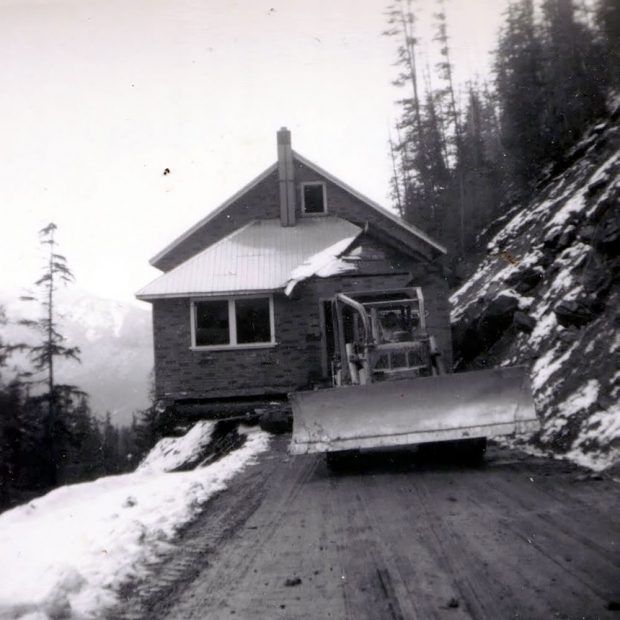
323, 264
260, 256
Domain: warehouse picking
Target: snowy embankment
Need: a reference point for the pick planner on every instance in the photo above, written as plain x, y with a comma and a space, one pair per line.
65, 555
547, 295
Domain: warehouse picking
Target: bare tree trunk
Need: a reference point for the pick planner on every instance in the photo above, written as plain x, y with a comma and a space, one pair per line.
397, 180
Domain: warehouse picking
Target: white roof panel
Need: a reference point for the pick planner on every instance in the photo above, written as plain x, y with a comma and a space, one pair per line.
257, 257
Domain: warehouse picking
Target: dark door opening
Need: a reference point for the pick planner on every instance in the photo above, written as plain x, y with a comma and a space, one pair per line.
329, 342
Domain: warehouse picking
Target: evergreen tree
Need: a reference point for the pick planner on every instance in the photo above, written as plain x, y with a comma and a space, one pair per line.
608, 23
11, 428
455, 166
128, 445
84, 460
480, 166
397, 178
411, 146
574, 78
110, 446
519, 83
445, 71
437, 171
457, 212
51, 347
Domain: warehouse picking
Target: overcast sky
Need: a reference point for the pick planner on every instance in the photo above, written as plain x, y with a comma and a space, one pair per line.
100, 96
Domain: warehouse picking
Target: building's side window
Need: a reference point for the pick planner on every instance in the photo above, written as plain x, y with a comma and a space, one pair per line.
211, 323
313, 198
240, 322
253, 319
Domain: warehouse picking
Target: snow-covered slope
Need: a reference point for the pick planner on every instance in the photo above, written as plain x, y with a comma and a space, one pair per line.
547, 295
66, 554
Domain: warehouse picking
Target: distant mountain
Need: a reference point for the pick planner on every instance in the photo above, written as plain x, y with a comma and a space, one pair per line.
116, 345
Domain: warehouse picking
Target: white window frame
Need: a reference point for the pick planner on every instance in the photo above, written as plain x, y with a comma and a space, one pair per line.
303, 198
232, 325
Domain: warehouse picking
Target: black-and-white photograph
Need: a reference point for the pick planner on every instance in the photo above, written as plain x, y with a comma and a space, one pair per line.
309, 310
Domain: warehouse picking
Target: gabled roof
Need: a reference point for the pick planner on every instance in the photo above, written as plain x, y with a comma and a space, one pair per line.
371, 203
306, 162
198, 225
260, 256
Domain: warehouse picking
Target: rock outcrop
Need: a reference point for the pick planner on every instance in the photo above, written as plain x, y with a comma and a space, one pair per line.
547, 295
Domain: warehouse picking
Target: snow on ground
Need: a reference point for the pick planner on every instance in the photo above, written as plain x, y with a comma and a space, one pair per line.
170, 453
547, 365
603, 425
64, 555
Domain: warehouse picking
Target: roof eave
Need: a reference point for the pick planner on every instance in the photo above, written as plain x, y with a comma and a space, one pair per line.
205, 294
205, 220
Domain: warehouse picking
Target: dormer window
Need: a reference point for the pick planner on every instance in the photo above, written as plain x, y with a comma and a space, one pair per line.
313, 198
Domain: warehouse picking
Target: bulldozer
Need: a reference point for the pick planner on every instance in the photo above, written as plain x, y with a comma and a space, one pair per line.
391, 388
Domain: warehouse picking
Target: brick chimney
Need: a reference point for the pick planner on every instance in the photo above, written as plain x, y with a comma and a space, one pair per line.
286, 178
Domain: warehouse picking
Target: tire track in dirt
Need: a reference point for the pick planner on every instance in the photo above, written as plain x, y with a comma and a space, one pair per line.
434, 552
524, 552
556, 516
396, 542
168, 576
371, 584
233, 583
585, 564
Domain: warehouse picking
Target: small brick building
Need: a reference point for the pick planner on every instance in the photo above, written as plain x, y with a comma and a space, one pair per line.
241, 312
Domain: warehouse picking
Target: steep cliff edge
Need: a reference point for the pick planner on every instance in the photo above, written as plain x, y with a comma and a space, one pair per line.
547, 295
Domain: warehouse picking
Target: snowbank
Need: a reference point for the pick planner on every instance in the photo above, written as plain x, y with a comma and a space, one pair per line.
171, 453
65, 555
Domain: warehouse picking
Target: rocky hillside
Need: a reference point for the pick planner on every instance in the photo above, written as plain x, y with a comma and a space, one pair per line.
547, 295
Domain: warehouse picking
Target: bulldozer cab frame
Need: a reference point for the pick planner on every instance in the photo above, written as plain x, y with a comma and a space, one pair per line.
381, 335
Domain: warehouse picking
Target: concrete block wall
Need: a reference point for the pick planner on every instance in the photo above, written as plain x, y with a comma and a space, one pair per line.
183, 373
295, 362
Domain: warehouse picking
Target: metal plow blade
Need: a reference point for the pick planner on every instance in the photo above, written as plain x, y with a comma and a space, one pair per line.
483, 403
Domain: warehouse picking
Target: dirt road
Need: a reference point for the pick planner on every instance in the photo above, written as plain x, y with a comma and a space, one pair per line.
516, 538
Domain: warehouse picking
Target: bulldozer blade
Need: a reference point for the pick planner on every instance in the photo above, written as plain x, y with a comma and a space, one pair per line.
484, 403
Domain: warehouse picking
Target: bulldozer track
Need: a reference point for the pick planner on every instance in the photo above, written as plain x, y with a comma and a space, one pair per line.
395, 540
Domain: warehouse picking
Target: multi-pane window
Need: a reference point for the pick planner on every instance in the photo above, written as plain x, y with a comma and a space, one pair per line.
232, 322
